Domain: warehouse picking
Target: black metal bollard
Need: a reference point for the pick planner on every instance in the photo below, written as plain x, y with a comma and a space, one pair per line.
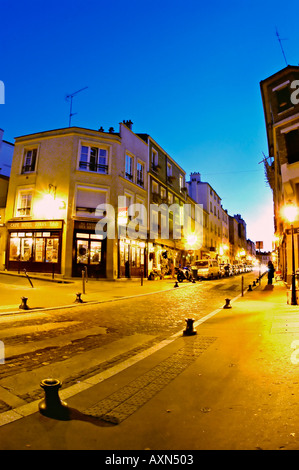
78, 299
227, 305
253, 284
249, 288
176, 284
24, 305
51, 406
189, 331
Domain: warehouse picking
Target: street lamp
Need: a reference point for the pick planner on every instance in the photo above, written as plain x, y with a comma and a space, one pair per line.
290, 213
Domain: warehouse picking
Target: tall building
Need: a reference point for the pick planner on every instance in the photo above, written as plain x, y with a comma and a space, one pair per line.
281, 109
216, 223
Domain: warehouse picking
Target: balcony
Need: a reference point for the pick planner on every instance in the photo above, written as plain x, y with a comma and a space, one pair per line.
94, 167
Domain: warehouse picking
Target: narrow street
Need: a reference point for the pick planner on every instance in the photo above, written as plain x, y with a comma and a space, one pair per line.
73, 344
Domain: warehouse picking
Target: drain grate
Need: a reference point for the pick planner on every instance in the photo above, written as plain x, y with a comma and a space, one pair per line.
120, 405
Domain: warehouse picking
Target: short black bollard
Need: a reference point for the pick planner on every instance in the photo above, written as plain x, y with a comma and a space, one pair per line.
51, 406
189, 328
253, 284
249, 288
78, 299
24, 305
176, 284
227, 305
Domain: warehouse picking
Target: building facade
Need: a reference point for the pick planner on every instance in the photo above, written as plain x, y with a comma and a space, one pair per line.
281, 110
59, 182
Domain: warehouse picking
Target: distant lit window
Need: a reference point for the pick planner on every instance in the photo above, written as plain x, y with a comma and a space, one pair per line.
155, 187
94, 159
29, 160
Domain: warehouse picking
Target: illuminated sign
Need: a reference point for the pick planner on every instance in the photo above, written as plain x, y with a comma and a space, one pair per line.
35, 224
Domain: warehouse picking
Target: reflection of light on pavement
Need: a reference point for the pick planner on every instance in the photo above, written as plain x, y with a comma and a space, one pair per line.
294, 359
2, 355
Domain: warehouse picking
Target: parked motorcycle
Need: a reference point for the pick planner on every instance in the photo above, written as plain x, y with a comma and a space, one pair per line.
184, 273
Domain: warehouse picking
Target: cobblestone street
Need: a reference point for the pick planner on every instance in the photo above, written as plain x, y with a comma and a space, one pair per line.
72, 342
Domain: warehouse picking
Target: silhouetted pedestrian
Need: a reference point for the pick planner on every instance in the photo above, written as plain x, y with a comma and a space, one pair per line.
271, 271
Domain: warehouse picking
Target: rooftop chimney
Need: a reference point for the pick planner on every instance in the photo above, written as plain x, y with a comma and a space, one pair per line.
129, 124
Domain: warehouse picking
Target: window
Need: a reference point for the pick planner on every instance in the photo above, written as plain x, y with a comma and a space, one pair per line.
181, 182
283, 99
170, 198
29, 161
155, 187
154, 159
292, 145
129, 167
163, 194
140, 174
169, 169
87, 201
24, 203
94, 159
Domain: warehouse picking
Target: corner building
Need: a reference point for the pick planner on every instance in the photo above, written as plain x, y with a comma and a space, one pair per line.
58, 178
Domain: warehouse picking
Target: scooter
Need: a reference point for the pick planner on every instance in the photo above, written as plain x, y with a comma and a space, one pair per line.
184, 273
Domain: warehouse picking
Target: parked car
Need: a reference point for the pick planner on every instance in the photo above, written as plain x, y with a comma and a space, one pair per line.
206, 269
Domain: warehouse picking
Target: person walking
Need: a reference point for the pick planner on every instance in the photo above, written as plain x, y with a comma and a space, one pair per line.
271, 271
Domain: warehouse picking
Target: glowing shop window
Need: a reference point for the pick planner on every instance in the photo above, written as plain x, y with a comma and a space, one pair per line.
95, 252
52, 250
14, 250
82, 251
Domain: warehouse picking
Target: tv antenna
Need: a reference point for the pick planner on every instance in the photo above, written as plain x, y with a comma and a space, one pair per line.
70, 97
282, 50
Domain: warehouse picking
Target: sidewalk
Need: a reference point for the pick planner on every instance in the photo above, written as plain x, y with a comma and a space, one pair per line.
233, 386
47, 293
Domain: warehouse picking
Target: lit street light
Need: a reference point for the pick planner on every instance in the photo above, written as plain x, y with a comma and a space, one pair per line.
290, 213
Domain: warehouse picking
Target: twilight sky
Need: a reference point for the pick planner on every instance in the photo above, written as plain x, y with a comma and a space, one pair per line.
187, 72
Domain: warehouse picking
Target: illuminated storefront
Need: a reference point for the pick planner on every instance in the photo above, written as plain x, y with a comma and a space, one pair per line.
34, 246
131, 257
89, 250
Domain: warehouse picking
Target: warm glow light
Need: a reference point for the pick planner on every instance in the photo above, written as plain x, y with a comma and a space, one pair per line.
48, 207
290, 212
191, 239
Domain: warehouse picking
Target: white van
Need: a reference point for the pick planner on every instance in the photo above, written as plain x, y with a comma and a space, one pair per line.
206, 269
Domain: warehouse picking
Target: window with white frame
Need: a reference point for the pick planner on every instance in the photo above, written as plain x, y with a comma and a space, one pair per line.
24, 203
129, 167
140, 174
93, 159
29, 161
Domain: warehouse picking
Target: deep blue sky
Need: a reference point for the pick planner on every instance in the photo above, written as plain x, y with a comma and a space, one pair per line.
187, 72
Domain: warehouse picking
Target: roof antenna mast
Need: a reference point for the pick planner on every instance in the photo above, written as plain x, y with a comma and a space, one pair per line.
282, 50
71, 105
